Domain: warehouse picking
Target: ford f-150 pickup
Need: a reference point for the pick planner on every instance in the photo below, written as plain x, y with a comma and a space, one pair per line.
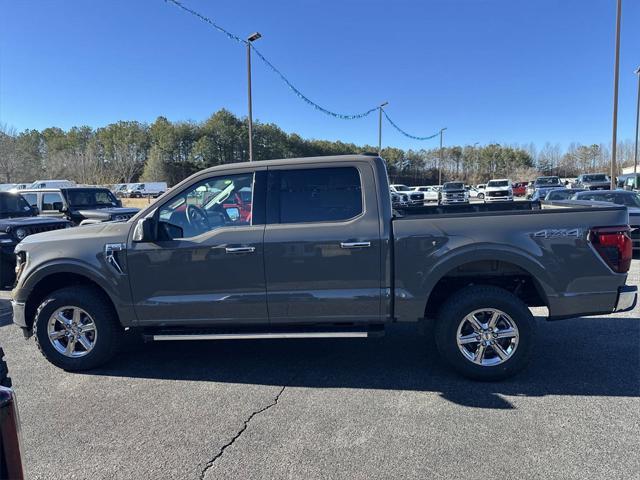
321, 254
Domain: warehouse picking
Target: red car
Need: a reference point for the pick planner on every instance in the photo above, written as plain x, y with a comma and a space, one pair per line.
519, 189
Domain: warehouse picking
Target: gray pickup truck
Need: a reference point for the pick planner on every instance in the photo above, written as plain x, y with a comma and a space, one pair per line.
317, 251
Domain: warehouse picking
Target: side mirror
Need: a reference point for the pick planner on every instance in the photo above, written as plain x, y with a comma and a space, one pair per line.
145, 230
118, 202
59, 206
35, 210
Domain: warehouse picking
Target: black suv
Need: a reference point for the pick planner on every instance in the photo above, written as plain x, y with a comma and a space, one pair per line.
80, 205
18, 220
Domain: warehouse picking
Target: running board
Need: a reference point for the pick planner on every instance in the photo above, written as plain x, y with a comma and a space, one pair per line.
265, 335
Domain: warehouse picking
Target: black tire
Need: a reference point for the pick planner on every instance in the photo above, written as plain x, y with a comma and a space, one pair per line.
481, 196
94, 303
472, 298
5, 381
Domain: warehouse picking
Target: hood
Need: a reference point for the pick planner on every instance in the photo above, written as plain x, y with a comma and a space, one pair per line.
107, 212
29, 221
99, 233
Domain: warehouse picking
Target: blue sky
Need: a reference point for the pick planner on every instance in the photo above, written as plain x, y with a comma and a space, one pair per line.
511, 71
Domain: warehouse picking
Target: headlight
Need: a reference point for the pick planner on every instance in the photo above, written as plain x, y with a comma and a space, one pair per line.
21, 261
21, 233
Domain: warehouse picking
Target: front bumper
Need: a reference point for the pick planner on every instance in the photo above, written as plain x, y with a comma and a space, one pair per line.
498, 199
19, 317
627, 298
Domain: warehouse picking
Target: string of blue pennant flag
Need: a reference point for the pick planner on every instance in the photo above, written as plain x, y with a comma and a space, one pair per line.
298, 93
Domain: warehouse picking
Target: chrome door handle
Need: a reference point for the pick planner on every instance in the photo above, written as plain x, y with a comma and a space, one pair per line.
240, 249
355, 244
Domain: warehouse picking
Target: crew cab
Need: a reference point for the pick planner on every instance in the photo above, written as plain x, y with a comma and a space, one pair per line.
544, 185
17, 221
79, 205
498, 190
322, 255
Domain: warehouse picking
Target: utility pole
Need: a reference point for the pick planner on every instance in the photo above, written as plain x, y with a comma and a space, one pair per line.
250, 39
616, 72
635, 151
441, 159
380, 127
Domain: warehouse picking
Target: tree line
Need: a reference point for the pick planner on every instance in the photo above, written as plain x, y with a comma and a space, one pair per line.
128, 151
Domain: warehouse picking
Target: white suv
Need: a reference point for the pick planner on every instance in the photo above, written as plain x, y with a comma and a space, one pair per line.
498, 190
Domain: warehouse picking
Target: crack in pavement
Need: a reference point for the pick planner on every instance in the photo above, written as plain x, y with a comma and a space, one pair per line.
211, 462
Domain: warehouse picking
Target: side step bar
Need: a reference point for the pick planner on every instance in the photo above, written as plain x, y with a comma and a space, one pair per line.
255, 336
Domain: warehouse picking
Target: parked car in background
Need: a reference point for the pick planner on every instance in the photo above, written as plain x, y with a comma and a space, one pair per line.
593, 181
50, 184
530, 189
520, 189
480, 190
399, 200
147, 189
453, 192
544, 185
80, 205
498, 190
18, 220
560, 194
322, 256
632, 182
631, 200
416, 198
11, 463
430, 193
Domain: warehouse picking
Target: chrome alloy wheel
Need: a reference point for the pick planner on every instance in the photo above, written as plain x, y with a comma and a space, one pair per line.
487, 337
72, 331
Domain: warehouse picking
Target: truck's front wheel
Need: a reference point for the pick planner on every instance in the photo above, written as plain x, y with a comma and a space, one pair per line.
76, 328
485, 332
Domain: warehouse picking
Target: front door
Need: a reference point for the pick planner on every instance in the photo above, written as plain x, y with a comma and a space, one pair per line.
208, 266
322, 244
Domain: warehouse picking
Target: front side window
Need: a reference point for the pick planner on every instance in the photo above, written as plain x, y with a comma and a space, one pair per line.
51, 202
91, 198
31, 198
314, 195
222, 201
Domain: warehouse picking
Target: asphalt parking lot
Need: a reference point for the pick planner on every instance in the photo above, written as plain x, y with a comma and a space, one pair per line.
382, 408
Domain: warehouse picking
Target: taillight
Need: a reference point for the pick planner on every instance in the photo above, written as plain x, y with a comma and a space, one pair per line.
614, 246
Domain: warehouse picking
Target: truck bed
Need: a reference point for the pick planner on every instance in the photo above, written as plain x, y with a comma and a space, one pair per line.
546, 242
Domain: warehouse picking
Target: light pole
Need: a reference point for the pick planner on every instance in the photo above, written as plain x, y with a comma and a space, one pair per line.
440, 162
635, 150
616, 71
380, 127
250, 39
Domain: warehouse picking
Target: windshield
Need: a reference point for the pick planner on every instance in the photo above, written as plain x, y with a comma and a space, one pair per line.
453, 186
595, 178
13, 205
402, 188
547, 181
81, 197
498, 183
560, 194
619, 198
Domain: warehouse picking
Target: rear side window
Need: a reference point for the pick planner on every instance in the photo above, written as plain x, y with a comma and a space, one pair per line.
314, 195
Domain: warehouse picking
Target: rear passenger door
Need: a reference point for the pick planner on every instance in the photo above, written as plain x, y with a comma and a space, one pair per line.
322, 244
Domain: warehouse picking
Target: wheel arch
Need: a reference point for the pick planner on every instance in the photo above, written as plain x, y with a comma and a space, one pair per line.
504, 268
53, 277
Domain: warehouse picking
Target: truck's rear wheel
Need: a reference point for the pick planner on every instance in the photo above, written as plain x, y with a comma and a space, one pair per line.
76, 328
485, 333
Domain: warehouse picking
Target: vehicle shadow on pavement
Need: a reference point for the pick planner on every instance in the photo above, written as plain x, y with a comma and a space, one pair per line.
588, 356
